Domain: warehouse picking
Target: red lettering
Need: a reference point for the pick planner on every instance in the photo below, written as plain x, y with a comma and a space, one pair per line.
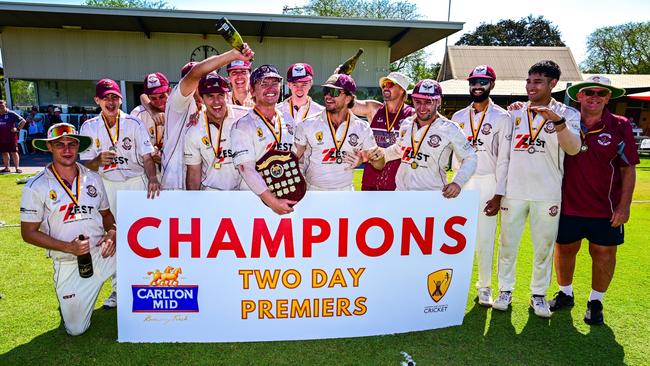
343, 237
308, 237
226, 227
194, 237
410, 230
284, 233
389, 235
461, 241
132, 237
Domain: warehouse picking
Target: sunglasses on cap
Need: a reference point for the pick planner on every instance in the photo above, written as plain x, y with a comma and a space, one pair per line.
482, 82
62, 130
387, 84
592, 92
332, 91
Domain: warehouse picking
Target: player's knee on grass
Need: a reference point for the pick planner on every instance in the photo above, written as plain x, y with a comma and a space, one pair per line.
76, 328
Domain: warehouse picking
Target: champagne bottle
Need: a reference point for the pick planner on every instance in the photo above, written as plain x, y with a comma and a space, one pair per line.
230, 34
348, 66
85, 263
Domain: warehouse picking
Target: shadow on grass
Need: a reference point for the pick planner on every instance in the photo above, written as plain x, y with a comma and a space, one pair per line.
486, 337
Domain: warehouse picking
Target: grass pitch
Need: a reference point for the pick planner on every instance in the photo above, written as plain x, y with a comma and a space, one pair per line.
32, 331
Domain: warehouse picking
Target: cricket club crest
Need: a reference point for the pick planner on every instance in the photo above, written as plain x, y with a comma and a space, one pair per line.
486, 129
604, 139
126, 143
553, 210
434, 141
353, 139
205, 140
549, 127
438, 283
319, 136
91, 190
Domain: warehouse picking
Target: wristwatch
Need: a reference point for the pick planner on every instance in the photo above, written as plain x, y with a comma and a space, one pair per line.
562, 121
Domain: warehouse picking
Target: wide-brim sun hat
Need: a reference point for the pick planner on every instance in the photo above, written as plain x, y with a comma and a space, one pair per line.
59, 130
595, 81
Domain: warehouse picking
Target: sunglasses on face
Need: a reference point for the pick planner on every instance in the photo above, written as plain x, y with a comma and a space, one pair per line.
387, 84
592, 92
482, 82
332, 92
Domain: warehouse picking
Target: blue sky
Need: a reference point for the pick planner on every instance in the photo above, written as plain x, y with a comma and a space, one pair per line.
576, 19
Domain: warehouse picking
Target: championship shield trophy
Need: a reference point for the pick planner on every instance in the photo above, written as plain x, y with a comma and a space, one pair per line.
282, 175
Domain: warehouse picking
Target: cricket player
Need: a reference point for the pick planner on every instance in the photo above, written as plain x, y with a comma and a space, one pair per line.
183, 110
425, 144
261, 130
62, 202
239, 72
208, 147
543, 131
385, 120
299, 105
489, 130
332, 139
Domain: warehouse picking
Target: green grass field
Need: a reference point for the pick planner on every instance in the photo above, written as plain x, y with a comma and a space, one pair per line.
32, 332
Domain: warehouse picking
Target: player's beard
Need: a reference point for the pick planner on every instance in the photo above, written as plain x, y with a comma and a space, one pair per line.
479, 98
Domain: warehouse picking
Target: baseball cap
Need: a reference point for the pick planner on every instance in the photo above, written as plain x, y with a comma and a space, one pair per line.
427, 89
105, 87
59, 130
595, 81
156, 83
483, 72
57, 109
341, 81
300, 72
213, 83
398, 78
238, 65
263, 72
188, 66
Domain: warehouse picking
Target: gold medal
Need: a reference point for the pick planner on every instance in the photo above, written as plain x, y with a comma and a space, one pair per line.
116, 138
414, 146
584, 132
338, 144
414, 165
217, 165
584, 148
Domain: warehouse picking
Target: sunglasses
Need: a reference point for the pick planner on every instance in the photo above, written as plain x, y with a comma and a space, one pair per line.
59, 131
592, 92
482, 82
387, 84
332, 92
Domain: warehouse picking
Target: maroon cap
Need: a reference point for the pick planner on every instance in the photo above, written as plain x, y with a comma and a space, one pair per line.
238, 65
263, 72
427, 89
300, 72
213, 83
156, 83
105, 87
188, 66
341, 81
483, 72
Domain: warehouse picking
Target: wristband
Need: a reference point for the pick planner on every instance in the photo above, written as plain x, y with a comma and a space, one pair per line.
562, 121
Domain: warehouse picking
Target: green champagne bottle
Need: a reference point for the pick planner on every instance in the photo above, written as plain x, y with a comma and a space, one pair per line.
348, 66
230, 34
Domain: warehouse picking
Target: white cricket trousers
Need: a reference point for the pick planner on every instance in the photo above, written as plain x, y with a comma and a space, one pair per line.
486, 230
76, 295
544, 220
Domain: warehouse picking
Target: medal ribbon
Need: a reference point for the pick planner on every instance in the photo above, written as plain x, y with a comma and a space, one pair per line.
389, 127
540, 127
117, 128
234, 101
207, 129
584, 132
480, 123
277, 135
73, 197
415, 147
338, 144
307, 111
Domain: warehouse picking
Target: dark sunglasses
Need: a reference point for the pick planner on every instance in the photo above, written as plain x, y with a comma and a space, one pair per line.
332, 91
600, 93
482, 82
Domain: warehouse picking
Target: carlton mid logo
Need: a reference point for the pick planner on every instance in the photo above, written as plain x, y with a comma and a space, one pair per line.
165, 294
438, 283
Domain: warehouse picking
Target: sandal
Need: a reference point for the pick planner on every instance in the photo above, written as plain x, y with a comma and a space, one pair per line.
18, 171
5, 170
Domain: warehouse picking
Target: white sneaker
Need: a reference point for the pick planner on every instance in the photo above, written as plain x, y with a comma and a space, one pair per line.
540, 305
485, 296
111, 301
503, 301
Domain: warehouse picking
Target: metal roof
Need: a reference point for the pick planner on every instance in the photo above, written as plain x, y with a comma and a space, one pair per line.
510, 63
404, 37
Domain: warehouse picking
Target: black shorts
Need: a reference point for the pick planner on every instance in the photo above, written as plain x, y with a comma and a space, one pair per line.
596, 230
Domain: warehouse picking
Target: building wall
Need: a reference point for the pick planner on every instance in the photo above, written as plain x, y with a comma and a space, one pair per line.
40, 53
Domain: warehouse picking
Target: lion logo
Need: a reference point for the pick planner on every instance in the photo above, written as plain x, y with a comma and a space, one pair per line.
438, 283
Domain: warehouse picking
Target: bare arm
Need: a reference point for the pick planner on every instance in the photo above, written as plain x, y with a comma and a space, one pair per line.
191, 81
32, 235
153, 187
622, 211
193, 177
366, 108
299, 150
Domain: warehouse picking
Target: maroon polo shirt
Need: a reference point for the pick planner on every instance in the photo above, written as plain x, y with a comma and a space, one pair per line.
592, 178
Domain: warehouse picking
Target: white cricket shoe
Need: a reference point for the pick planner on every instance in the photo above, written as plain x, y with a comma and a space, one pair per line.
111, 301
485, 296
540, 305
503, 301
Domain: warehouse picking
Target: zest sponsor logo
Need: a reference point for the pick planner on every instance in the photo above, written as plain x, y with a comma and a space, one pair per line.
330, 155
524, 141
71, 211
408, 153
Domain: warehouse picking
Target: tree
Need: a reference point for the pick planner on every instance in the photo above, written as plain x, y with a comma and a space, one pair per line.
529, 31
414, 65
619, 49
144, 4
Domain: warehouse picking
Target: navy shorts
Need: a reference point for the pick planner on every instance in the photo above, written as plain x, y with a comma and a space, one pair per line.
596, 230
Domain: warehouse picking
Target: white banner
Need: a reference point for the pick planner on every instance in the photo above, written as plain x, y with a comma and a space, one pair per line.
222, 267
